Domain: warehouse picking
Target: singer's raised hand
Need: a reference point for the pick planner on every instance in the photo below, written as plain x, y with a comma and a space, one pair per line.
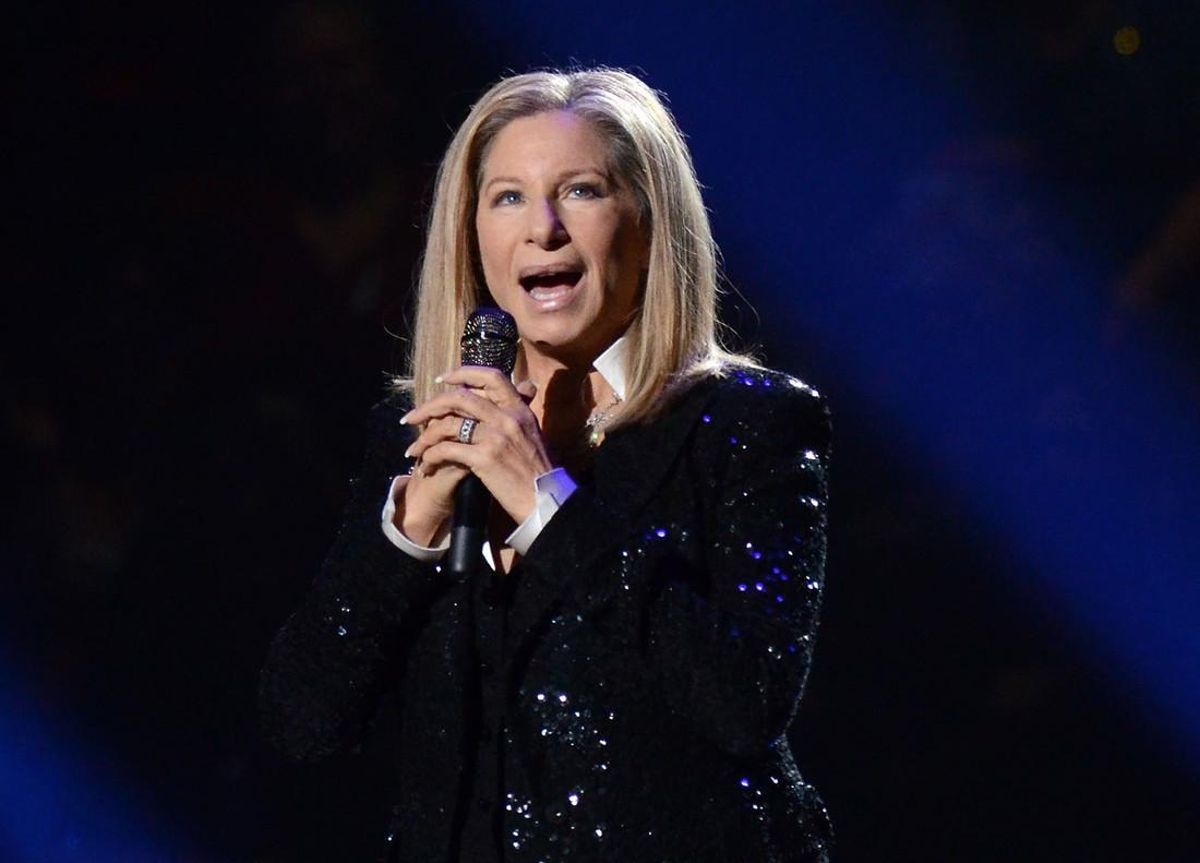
507, 451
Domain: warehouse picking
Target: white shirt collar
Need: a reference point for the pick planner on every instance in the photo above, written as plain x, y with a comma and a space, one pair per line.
611, 365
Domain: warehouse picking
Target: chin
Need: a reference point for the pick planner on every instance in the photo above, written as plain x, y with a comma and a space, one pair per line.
565, 341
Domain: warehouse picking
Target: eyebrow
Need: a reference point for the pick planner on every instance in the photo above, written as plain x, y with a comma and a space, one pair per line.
574, 172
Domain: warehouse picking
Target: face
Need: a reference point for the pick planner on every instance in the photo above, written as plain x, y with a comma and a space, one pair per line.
559, 237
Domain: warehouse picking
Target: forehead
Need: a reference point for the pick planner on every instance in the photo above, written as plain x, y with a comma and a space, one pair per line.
549, 141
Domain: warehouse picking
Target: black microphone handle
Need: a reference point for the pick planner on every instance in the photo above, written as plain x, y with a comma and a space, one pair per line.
489, 339
468, 527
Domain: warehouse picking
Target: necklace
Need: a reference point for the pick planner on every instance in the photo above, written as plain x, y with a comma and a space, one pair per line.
598, 419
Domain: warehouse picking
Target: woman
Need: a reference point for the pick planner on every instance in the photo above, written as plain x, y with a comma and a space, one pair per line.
617, 686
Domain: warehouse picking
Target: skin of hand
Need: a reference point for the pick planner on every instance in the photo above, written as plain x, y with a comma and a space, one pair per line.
507, 451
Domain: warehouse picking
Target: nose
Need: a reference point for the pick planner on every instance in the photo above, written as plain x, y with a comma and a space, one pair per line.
546, 228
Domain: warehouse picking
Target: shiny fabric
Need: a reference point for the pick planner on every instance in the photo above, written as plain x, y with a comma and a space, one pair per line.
624, 694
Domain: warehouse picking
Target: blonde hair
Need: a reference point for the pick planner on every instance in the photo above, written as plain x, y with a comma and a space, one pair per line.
673, 339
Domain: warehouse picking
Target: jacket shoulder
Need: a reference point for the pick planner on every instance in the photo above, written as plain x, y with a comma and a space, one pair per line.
386, 438
759, 418
768, 395
395, 402
384, 416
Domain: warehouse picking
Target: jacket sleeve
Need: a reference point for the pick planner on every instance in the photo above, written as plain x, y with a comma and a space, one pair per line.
729, 646
331, 661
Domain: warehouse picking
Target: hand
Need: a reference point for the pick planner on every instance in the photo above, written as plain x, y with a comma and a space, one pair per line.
507, 451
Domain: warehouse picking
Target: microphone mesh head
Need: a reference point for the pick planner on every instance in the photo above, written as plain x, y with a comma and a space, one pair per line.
490, 339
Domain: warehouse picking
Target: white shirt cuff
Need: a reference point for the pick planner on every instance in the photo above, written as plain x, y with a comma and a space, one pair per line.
551, 491
398, 539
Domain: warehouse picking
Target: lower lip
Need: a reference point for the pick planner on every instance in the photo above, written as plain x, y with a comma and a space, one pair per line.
553, 299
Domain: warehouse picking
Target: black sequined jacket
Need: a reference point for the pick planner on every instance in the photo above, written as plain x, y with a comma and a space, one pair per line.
624, 694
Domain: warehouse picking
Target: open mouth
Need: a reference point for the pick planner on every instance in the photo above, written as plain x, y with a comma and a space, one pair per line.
550, 284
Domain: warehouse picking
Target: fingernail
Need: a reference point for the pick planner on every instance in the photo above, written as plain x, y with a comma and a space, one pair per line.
404, 419
439, 379
408, 452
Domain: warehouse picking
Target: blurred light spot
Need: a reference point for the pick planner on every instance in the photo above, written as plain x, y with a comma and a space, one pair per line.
1127, 40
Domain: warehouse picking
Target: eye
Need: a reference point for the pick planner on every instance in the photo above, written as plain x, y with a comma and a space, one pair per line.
583, 191
506, 198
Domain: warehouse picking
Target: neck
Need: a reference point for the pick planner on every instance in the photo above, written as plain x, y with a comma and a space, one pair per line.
566, 396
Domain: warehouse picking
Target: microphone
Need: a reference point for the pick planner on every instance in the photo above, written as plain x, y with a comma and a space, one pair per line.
489, 339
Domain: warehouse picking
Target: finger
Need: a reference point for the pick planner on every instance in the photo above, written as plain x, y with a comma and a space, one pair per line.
435, 431
446, 453
458, 401
442, 428
491, 383
527, 389
476, 376
426, 472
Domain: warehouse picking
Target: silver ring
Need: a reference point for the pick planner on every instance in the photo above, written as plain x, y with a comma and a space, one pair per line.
466, 431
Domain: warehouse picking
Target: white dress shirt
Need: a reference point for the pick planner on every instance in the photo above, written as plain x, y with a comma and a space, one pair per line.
551, 489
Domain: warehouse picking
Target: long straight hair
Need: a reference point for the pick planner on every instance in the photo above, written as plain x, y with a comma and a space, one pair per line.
674, 337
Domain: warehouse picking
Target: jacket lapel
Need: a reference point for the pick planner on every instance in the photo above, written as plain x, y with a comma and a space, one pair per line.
631, 467
632, 463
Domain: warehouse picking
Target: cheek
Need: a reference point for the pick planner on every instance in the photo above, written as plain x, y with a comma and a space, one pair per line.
492, 257
634, 251
611, 242
629, 239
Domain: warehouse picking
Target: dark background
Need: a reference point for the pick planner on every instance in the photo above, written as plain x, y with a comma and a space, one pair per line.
215, 217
